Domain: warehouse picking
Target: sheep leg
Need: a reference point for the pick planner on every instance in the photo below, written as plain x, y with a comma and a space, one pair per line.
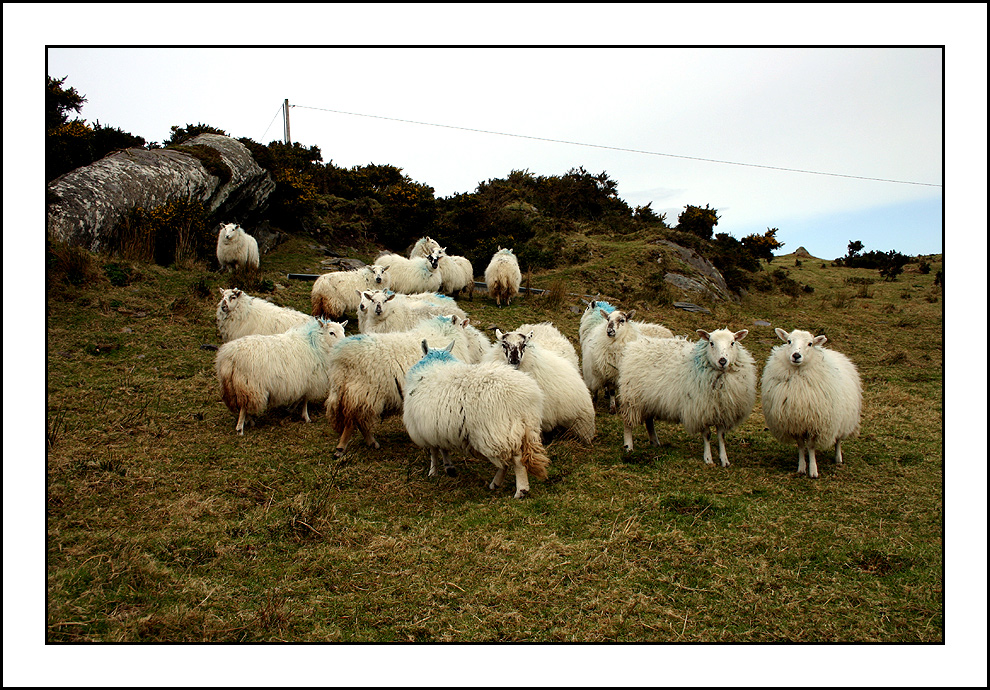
522, 477
240, 422
838, 452
498, 478
611, 399
706, 435
627, 432
306, 411
369, 437
654, 441
433, 461
802, 468
722, 457
448, 464
345, 438
812, 465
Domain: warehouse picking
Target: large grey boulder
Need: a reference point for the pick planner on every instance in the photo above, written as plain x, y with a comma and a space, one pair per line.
85, 204
704, 279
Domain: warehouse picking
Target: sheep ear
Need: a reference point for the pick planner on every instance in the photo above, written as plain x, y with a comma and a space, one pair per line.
384, 268
221, 291
237, 292
705, 335
739, 335
466, 322
819, 340
343, 323
630, 314
390, 297
603, 313
426, 348
499, 334
450, 348
781, 333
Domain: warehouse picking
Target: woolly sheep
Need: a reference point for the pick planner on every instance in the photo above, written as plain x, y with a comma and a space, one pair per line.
602, 350
236, 249
384, 311
503, 276
567, 402
546, 335
708, 383
261, 371
811, 396
595, 313
333, 293
487, 410
457, 274
367, 374
419, 274
240, 314
424, 247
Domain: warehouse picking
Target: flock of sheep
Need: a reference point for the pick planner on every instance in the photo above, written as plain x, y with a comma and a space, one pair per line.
417, 355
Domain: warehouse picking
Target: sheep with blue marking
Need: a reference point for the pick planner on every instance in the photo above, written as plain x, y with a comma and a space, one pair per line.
240, 314
457, 274
488, 410
424, 247
419, 274
333, 294
384, 311
368, 373
566, 401
236, 249
257, 372
710, 383
595, 313
503, 277
811, 396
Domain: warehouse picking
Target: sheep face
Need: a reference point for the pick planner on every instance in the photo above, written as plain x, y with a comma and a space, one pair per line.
374, 302
513, 346
434, 259
229, 300
616, 320
378, 274
799, 345
229, 231
722, 350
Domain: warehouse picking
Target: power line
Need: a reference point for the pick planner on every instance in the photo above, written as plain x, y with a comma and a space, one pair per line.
617, 148
270, 123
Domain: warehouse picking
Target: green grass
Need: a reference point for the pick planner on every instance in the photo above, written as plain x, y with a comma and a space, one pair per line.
163, 525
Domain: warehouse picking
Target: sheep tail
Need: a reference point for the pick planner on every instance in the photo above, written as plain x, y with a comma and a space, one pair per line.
534, 457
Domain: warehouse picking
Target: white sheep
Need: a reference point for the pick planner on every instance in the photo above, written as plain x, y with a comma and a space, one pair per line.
503, 277
384, 311
424, 247
488, 410
547, 336
333, 293
408, 276
811, 396
236, 249
257, 372
367, 374
595, 313
457, 274
240, 314
566, 400
708, 383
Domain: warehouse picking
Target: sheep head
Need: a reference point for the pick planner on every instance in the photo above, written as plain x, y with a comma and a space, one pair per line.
799, 345
722, 350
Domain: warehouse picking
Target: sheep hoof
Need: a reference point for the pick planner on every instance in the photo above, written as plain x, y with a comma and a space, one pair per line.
522, 493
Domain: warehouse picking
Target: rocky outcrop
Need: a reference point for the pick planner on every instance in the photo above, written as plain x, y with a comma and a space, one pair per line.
705, 279
85, 204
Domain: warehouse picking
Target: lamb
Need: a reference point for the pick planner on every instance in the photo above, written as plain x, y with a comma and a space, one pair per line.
240, 314
708, 383
367, 373
383, 311
503, 276
603, 347
424, 247
419, 274
261, 371
811, 396
486, 410
333, 293
236, 249
457, 274
567, 402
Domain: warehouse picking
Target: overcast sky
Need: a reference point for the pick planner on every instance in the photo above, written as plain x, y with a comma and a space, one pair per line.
869, 113
838, 114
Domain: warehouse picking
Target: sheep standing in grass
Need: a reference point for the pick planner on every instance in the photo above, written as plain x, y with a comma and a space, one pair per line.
566, 400
424, 247
708, 383
545, 335
408, 276
261, 371
503, 276
811, 396
236, 249
602, 350
457, 274
382, 311
240, 314
333, 294
595, 313
368, 372
488, 410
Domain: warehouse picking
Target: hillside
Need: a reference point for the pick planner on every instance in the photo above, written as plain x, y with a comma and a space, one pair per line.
163, 525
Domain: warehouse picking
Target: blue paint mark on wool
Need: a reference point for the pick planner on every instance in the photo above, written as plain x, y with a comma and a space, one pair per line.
604, 306
433, 357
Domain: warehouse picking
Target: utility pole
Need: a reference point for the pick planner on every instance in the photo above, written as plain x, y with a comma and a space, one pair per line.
285, 109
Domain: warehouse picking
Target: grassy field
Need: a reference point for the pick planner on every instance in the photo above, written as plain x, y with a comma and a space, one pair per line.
163, 525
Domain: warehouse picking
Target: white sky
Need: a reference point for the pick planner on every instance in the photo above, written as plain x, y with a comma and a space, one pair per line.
864, 112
